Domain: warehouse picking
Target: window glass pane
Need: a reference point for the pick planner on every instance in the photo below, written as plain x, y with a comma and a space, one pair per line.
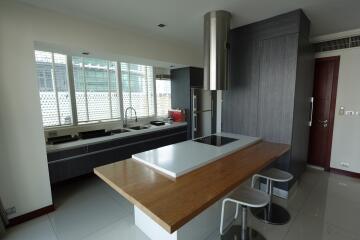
62, 86
79, 84
96, 89
51, 69
163, 96
138, 89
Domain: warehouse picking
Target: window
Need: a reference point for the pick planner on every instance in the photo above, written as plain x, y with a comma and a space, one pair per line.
163, 96
51, 69
138, 88
94, 93
96, 89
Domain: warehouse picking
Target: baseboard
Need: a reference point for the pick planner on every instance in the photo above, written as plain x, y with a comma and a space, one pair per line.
315, 167
345, 173
31, 215
280, 192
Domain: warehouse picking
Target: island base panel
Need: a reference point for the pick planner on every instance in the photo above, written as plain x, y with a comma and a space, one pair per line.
200, 227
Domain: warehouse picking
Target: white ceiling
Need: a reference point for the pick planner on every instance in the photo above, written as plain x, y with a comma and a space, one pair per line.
184, 18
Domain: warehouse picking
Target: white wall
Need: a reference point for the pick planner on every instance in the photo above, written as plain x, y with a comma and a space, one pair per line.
346, 137
24, 179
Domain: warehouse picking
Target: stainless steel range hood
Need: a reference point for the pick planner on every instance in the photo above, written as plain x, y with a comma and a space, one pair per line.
216, 47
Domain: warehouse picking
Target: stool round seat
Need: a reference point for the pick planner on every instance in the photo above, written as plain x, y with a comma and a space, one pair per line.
275, 175
272, 213
244, 197
249, 197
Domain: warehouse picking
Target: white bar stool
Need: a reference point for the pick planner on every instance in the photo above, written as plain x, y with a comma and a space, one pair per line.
272, 213
244, 197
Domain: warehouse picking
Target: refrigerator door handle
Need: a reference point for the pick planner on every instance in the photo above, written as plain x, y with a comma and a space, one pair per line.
194, 103
311, 111
212, 108
195, 122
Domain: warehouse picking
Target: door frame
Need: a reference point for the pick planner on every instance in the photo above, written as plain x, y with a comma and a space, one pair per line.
332, 106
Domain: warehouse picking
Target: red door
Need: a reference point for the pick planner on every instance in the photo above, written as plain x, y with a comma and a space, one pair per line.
325, 86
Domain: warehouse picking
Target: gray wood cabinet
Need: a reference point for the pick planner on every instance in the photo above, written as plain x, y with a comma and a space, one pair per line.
182, 80
271, 78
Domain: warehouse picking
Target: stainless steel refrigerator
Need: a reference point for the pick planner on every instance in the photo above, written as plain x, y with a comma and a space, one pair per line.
203, 112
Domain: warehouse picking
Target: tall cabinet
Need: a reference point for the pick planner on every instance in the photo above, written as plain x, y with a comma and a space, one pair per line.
271, 78
182, 80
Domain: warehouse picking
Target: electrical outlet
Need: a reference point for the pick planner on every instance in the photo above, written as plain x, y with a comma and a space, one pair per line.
10, 210
342, 110
345, 164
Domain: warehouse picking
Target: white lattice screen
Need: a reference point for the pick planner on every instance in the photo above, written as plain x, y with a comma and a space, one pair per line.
138, 88
163, 96
52, 77
96, 89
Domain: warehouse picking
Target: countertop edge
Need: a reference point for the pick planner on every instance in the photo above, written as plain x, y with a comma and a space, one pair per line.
174, 226
52, 149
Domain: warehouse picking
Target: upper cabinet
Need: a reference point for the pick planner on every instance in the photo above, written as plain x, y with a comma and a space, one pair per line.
271, 78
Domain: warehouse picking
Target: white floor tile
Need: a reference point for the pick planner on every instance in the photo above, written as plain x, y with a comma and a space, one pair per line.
37, 229
323, 207
120, 230
83, 210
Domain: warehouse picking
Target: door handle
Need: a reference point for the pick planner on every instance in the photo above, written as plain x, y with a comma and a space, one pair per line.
324, 121
311, 111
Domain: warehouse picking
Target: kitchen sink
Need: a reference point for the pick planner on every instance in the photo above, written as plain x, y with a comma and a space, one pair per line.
120, 130
139, 127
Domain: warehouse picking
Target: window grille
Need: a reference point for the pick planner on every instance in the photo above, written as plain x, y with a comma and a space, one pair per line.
51, 69
163, 96
138, 89
348, 42
96, 89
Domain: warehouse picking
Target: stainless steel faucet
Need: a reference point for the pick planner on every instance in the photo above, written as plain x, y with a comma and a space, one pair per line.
126, 118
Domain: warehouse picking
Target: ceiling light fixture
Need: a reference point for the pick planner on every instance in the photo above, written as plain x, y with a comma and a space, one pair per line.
161, 25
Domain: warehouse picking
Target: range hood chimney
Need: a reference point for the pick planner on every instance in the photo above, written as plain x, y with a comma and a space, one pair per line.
216, 47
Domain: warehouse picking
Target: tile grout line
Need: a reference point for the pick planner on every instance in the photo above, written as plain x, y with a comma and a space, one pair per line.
115, 200
52, 227
300, 209
105, 226
99, 229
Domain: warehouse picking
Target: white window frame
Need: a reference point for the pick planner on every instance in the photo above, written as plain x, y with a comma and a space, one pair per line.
55, 90
75, 123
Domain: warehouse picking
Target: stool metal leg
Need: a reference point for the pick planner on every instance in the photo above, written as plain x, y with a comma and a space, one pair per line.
222, 217
272, 213
244, 223
242, 232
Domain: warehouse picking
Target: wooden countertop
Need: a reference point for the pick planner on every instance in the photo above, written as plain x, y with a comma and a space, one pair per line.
172, 203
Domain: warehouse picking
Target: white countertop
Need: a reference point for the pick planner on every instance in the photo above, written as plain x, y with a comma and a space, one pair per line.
84, 142
180, 158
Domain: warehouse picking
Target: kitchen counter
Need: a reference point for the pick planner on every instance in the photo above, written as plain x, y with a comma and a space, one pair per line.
187, 207
178, 159
83, 142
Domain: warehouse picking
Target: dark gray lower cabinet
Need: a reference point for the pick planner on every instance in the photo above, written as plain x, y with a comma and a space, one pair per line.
75, 162
271, 78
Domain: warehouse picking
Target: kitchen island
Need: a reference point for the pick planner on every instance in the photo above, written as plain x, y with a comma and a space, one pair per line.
188, 206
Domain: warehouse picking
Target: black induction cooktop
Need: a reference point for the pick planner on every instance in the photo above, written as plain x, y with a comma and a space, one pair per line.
215, 140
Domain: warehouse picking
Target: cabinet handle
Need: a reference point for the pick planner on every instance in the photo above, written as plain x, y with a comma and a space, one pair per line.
195, 122
311, 111
194, 103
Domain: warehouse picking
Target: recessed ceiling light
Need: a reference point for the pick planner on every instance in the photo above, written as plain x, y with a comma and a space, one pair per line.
161, 25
